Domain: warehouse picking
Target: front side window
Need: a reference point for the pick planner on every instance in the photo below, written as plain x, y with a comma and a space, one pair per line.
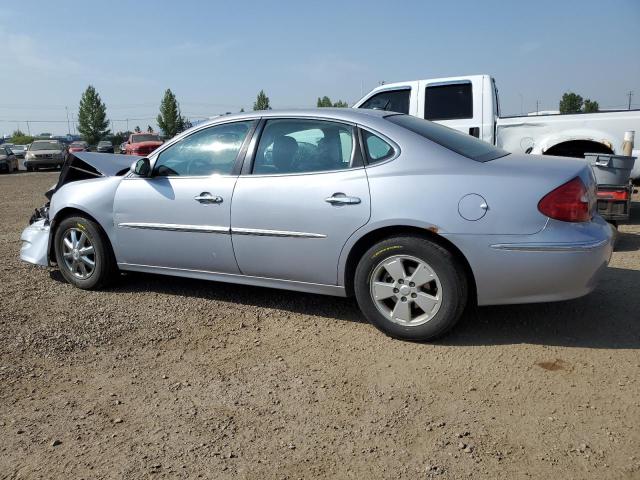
454, 140
448, 102
389, 100
205, 152
299, 146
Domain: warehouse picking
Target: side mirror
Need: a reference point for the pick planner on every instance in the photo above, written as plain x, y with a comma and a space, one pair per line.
141, 168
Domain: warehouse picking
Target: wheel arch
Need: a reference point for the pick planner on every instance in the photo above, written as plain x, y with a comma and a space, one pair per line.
374, 236
69, 212
577, 147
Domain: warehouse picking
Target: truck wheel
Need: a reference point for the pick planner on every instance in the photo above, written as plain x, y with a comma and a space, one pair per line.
410, 288
83, 253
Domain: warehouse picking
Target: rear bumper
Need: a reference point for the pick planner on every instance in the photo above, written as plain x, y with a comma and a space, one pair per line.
561, 262
35, 243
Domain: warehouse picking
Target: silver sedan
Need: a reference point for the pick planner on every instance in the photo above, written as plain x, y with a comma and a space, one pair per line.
416, 220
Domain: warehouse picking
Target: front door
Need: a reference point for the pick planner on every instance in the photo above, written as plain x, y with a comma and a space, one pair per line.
179, 217
306, 195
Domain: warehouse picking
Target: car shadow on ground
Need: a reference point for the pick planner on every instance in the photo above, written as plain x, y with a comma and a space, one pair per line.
607, 318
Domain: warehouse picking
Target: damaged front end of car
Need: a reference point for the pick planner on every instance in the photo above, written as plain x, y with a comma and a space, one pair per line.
36, 238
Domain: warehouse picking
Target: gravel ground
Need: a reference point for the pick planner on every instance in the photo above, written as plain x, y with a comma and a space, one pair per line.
171, 378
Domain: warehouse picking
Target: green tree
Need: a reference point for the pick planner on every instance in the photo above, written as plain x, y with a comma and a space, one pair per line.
590, 106
262, 102
92, 116
149, 129
137, 129
242, 110
326, 102
18, 137
570, 103
170, 120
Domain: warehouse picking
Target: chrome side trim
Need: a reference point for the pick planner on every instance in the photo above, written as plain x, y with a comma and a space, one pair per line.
550, 247
275, 233
334, 290
172, 227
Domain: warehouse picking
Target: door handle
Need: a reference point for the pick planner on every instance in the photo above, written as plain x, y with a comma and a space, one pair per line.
206, 197
342, 199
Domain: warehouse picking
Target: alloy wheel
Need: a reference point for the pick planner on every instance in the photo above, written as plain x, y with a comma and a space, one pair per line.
406, 290
78, 253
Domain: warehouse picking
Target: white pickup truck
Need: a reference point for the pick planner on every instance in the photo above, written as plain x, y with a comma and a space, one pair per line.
470, 104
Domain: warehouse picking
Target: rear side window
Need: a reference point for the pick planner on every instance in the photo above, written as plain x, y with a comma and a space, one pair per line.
389, 100
454, 140
378, 150
448, 102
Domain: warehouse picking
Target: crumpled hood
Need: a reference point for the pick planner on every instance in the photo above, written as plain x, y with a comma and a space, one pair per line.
87, 165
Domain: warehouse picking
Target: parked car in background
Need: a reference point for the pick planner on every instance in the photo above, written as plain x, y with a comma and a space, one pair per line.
79, 146
19, 150
470, 104
44, 154
414, 218
142, 144
8, 161
104, 146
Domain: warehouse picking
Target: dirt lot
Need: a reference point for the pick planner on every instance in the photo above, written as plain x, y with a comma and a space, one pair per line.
170, 378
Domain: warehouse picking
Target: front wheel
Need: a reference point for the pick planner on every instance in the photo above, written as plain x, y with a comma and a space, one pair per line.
411, 288
83, 253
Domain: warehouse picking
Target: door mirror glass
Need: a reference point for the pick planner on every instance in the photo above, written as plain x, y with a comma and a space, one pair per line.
141, 167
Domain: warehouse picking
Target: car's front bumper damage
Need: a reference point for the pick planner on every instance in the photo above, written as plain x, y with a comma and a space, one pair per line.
35, 238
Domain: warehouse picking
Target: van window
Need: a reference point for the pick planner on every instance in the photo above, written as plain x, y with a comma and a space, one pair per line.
389, 100
451, 101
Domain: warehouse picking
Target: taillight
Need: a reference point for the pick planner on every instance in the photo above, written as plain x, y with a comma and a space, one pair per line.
614, 194
570, 202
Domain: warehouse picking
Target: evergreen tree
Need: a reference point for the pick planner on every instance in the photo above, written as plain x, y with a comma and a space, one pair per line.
92, 116
262, 102
170, 120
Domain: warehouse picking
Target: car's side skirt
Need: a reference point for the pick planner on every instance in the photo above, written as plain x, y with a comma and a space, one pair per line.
334, 290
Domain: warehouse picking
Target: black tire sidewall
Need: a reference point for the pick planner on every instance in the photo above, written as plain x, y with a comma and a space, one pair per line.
452, 279
101, 251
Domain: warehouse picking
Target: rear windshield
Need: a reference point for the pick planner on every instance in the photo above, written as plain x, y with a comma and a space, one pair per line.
459, 142
145, 138
53, 145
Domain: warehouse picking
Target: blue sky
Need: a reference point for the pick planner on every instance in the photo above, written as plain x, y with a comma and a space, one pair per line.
216, 56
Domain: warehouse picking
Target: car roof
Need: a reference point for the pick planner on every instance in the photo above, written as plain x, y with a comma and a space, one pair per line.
346, 114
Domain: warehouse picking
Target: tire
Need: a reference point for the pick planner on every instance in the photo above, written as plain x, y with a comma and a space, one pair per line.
76, 267
444, 295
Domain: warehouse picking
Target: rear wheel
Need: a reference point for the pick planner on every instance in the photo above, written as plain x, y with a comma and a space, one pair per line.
83, 253
410, 288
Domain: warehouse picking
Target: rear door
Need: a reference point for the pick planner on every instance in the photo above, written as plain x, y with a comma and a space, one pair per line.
305, 193
453, 104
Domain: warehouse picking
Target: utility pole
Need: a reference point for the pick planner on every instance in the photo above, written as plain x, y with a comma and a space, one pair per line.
68, 124
537, 106
630, 94
127, 125
28, 129
521, 104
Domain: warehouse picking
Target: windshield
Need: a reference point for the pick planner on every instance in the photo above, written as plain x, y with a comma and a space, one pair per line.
454, 140
78, 144
46, 146
144, 138
104, 143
